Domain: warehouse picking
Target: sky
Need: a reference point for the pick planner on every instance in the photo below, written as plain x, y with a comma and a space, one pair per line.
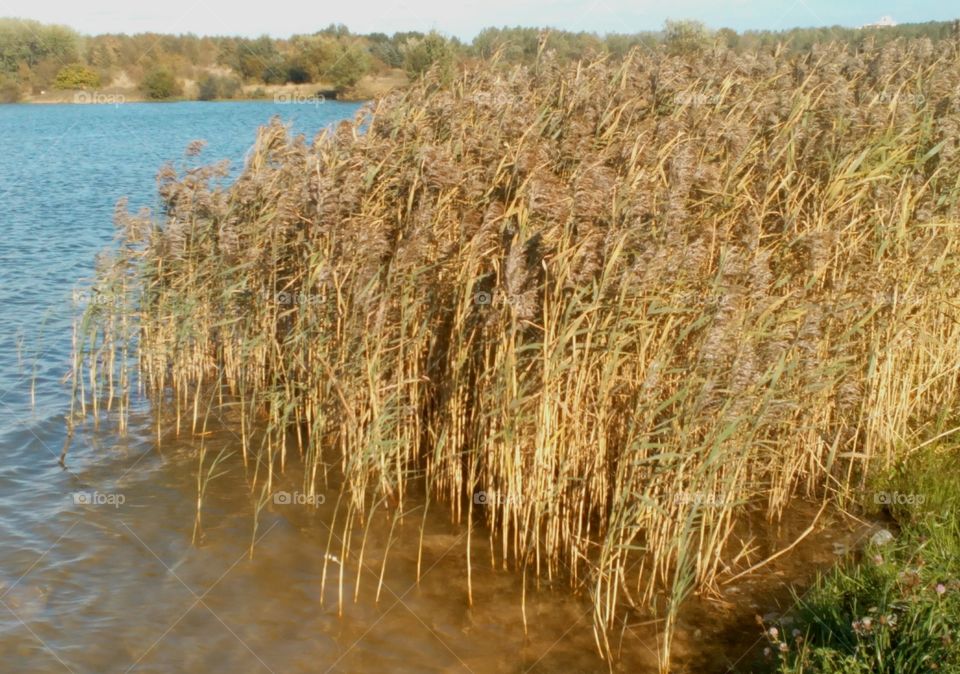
460, 18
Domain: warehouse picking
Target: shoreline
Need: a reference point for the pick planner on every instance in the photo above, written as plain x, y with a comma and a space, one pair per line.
166, 101
367, 89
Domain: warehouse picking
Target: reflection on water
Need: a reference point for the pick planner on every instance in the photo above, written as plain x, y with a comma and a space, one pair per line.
119, 585
99, 571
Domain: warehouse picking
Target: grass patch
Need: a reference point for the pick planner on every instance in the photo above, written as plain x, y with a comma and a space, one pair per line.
896, 610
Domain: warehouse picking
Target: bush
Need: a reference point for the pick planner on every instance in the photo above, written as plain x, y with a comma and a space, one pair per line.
275, 72
351, 64
213, 87
77, 76
419, 55
385, 50
159, 84
685, 37
9, 91
298, 71
25, 41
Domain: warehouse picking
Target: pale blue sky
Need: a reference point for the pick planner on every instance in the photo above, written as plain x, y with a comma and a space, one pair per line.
463, 18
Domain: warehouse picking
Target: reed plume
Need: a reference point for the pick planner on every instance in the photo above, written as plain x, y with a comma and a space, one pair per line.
631, 299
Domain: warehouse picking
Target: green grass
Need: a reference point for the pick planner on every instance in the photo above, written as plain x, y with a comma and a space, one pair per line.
895, 610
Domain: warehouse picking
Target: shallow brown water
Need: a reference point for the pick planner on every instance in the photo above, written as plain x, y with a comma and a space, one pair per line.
113, 587
119, 587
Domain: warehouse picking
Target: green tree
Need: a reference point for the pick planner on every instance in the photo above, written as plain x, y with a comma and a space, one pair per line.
352, 63
77, 76
257, 59
99, 55
385, 49
30, 42
159, 84
313, 53
433, 50
516, 45
298, 70
685, 37
275, 71
336, 30
728, 38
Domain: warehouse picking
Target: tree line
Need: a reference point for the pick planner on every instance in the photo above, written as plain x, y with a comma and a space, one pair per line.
36, 57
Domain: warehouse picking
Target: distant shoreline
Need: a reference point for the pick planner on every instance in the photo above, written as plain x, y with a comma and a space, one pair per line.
367, 89
140, 99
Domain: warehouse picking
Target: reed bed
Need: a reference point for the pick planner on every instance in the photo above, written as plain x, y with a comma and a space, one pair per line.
599, 310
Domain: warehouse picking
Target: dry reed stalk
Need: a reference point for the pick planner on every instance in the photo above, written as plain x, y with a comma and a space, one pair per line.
626, 300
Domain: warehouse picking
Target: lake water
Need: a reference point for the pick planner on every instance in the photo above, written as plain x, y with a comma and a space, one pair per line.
120, 587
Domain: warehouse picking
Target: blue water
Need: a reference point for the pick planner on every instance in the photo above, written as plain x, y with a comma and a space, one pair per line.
62, 170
